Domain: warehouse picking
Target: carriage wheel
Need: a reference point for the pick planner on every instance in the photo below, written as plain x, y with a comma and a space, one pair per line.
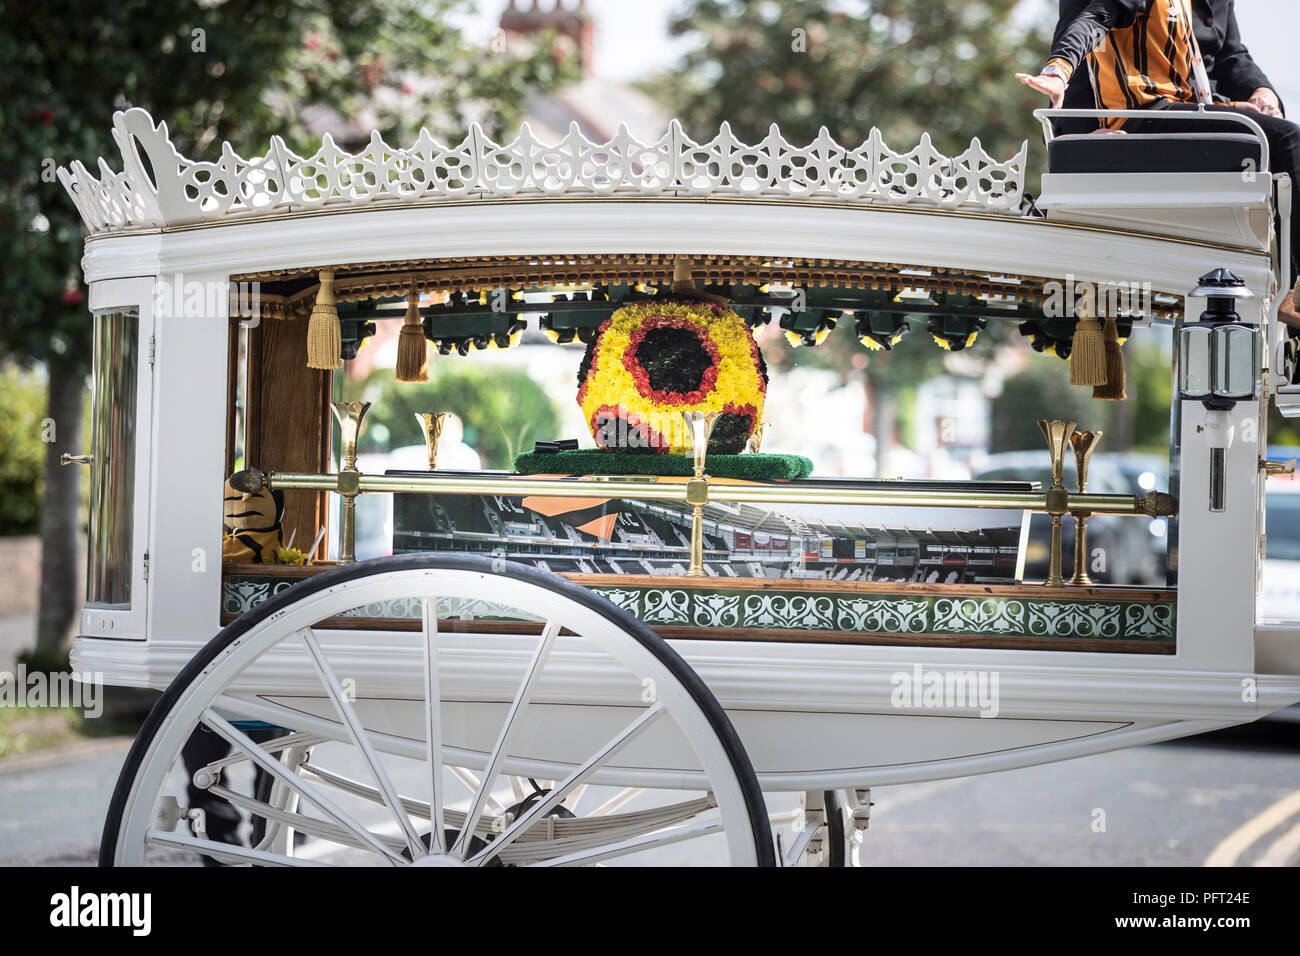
361, 765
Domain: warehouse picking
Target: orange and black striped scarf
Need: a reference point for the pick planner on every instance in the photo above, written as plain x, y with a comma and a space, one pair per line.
1145, 63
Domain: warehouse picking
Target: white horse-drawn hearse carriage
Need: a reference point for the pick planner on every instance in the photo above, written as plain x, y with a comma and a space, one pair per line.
629, 653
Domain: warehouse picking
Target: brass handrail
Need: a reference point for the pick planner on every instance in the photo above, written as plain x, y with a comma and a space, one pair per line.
700, 490
1151, 504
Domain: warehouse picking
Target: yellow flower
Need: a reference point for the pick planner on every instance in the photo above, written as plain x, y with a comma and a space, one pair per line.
619, 393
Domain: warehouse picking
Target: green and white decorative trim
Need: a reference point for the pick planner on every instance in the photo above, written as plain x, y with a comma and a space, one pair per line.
240, 593
747, 609
900, 614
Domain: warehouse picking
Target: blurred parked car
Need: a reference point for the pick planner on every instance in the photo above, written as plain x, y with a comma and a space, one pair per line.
1142, 472
1279, 595
1133, 549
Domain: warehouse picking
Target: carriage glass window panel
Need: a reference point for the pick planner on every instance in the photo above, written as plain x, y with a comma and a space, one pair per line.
112, 449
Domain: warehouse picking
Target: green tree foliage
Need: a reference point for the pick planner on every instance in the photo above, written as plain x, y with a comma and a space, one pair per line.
1282, 431
238, 70
1150, 391
241, 71
504, 411
1042, 389
905, 66
21, 450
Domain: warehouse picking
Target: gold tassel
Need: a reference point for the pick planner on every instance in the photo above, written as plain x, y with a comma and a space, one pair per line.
684, 283
1114, 389
324, 334
1088, 353
412, 346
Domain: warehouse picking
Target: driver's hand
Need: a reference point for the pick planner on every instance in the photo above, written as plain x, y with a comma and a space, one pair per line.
1265, 101
1049, 85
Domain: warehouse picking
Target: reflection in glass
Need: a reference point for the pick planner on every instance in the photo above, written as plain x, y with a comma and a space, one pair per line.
112, 446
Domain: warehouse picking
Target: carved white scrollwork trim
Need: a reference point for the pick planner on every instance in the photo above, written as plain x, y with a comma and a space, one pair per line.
173, 190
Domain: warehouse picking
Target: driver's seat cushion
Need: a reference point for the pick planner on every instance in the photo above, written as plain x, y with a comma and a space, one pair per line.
1154, 153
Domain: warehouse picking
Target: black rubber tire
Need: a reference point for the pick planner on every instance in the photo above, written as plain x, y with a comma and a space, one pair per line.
657, 646
836, 850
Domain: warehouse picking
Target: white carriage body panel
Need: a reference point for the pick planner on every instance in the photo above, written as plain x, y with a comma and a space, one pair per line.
811, 715
189, 466
1212, 207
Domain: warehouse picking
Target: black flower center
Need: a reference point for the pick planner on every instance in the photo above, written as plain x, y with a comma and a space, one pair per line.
730, 433
674, 359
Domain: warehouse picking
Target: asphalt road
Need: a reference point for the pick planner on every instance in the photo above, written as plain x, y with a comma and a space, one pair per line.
1232, 798
51, 813
1168, 804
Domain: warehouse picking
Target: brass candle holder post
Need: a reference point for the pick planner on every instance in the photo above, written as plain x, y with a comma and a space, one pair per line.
432, 423
697, 489
1084, 444
1058, 435
349, 416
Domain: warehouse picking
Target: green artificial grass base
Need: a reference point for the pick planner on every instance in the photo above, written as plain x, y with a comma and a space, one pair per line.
594, 461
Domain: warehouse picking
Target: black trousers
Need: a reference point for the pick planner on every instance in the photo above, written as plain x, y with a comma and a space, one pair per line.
1283, 148
222, 819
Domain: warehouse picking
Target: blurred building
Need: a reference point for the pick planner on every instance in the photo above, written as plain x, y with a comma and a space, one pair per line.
597, 105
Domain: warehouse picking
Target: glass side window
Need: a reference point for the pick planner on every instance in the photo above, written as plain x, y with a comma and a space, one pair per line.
112, 446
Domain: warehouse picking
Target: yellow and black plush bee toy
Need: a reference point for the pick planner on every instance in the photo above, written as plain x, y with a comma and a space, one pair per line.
252, 526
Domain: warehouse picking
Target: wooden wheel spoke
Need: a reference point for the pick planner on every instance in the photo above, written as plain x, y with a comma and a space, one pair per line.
276, 769
433, 723
312, 826
571, 801
617, 801
358, 733
472, 782
635, 844
558, 793
225, 852
509, 732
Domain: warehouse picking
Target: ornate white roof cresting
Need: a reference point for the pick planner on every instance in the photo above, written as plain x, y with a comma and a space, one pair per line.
173, 190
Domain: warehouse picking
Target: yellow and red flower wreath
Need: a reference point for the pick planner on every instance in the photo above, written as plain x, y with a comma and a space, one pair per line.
653, 360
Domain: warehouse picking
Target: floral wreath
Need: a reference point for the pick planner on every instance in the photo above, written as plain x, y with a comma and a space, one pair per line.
650, 361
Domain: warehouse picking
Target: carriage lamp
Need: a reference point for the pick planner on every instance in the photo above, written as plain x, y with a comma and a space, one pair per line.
1218, 356
349, 416
700, 425
809, 327
1084, 444
880, 330
355, 334
1057, 502
432, 424
952, 333
1049, 336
